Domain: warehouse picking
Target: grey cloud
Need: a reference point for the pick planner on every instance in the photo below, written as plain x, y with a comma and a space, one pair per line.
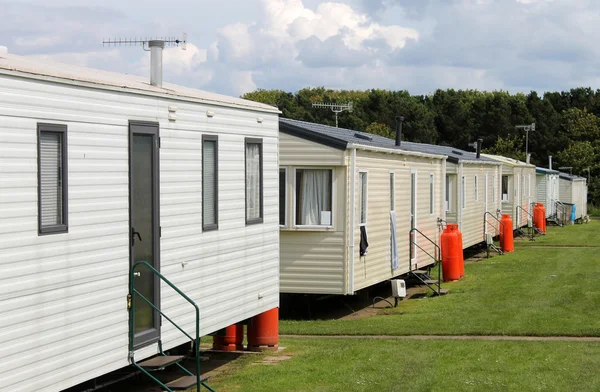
332, 52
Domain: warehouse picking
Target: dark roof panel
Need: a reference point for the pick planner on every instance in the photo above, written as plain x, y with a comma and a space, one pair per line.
341, 138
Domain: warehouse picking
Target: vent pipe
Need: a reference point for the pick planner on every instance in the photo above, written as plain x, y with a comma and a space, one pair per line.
156, 55
399, 120
479, 143
528, 158
550, 162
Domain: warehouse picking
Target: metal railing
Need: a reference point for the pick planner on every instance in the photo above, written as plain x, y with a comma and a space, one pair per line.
133, 294
437, 258
499, 228
530, 228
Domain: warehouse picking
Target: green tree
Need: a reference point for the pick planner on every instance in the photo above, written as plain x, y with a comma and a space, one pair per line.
507, 147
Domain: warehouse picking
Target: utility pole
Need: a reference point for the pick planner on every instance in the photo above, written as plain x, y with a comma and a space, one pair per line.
337, 108
527, 128
589, 174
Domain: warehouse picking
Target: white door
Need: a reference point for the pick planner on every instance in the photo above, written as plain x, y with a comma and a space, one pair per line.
485, 198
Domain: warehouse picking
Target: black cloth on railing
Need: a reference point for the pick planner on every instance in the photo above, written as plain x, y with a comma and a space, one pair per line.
364, 244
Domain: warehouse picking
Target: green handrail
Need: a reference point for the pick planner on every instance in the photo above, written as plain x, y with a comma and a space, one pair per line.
133, 292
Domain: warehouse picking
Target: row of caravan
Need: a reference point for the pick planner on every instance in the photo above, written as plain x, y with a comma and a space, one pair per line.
231, 203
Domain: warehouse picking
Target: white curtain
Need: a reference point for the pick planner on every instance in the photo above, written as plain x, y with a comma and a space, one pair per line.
209, 185
252, 181
51, 197
315, 196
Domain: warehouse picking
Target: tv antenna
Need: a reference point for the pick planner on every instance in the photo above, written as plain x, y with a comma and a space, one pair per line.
569, 168
153, 45
337, 108
145, 42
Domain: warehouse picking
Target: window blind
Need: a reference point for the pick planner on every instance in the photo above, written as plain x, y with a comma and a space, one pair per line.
51, 178
209, 183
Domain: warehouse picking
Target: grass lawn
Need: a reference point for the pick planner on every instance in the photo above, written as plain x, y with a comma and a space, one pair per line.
407, 365
571, 235
534, 291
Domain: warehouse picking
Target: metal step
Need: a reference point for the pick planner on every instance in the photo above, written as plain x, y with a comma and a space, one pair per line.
185, 382
420, 272
160, 362
443, 291
432, 281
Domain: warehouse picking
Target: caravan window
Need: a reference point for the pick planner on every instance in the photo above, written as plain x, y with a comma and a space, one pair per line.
504, 188
476, 189
392, 193
282, 196
254, 181
362, 197
463, 192
431, 194
52, 178
314, 189
209, 183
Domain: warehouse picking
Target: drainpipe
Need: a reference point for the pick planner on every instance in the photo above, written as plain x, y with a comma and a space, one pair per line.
352, 210
460, 196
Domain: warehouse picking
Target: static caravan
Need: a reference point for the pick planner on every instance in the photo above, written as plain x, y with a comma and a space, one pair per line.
470, 190
547, 189
573, 189
348, 201
517, 188
101, 170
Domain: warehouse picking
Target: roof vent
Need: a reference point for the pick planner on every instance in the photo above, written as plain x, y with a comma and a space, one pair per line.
364, 137
457, 152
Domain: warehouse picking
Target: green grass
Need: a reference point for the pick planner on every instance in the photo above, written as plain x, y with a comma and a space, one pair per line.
534, 291
570, 235
406, 365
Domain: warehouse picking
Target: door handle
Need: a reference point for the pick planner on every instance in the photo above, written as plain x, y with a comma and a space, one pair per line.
133, 234
137, 274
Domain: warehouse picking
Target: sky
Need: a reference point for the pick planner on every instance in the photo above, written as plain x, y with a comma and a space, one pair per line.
237, 46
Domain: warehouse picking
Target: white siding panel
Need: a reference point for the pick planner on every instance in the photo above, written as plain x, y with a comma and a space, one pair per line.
375, 266
297, 151
65, 294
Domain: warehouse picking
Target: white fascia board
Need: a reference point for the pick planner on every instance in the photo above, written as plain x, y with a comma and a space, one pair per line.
395, 151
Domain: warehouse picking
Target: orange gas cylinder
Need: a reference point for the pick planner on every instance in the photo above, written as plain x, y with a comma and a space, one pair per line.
461, 252
229, 339
539, 217
507, 243
451, 251
544, 220
263, 331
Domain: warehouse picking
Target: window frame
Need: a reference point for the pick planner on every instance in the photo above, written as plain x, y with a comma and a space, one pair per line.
463, 196
431, 194
260, 219
212, 226
507, 188
392, 191
64, 227
363, 201
295, 199
285, 198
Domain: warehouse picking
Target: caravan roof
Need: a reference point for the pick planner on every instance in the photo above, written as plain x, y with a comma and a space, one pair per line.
35, 68
342, 138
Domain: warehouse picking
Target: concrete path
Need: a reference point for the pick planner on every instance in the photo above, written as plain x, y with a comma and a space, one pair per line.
451, 337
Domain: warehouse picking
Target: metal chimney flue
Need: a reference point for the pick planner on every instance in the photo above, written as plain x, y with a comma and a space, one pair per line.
156, 61
399, 121
479, 144
550, 162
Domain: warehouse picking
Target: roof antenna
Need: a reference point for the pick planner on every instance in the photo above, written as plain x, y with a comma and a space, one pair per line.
153, 45
335, 107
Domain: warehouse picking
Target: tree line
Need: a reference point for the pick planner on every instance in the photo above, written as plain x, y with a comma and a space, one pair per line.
567, 123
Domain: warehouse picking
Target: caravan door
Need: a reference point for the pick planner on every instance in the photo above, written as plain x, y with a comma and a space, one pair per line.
144, 228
